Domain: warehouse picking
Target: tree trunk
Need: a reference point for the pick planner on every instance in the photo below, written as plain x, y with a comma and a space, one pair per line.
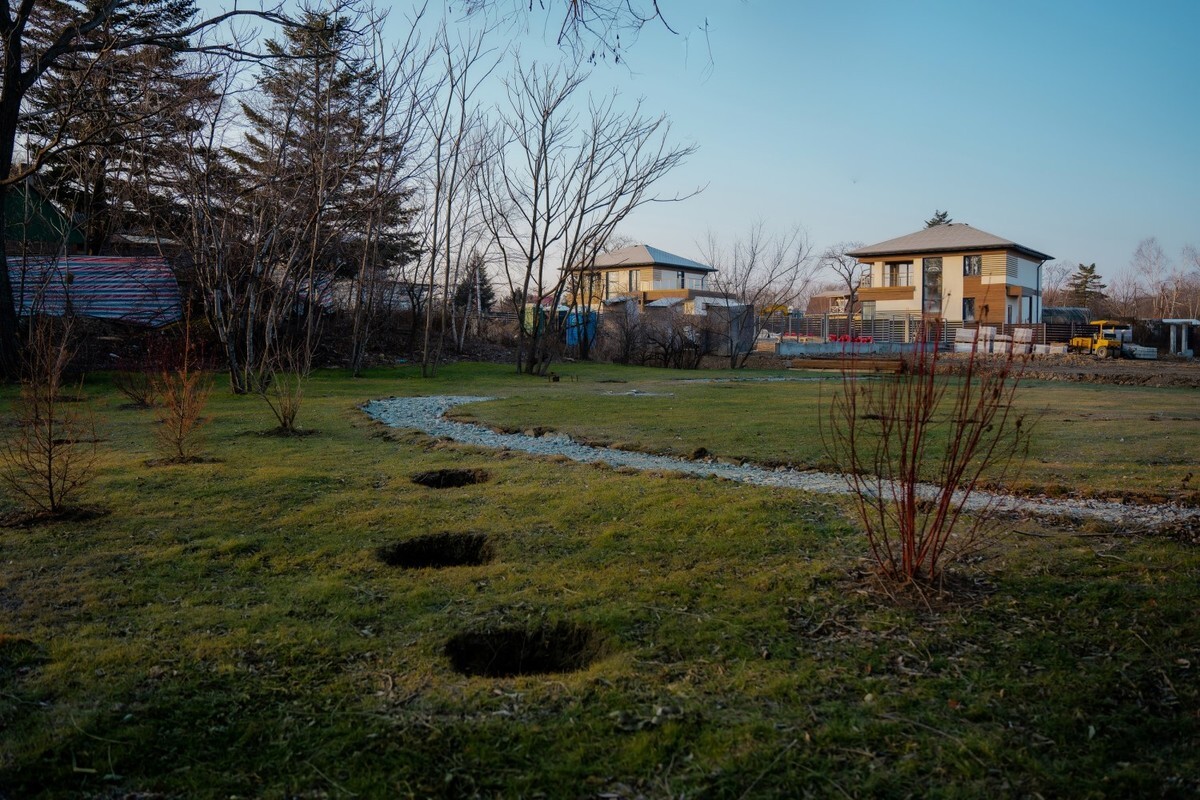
10, 110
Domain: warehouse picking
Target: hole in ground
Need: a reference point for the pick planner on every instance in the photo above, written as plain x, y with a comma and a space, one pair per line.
438, 550
450, 478
506, 653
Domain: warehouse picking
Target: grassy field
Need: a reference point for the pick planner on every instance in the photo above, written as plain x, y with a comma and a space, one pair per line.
226, 628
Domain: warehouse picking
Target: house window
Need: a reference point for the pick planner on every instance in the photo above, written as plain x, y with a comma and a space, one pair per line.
612, 284
897, 273
972, 266
968, 309
868, 310
931, 284
682, 279
634, 280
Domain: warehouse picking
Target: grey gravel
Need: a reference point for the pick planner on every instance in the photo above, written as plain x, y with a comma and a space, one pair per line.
426, 414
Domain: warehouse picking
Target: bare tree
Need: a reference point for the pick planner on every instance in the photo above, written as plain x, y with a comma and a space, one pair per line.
1151, 270
590, 29
49, 454
1125, 296
556, 188
761, 271
849, 272
453, 123
1190, 277
1054, 284
390, 167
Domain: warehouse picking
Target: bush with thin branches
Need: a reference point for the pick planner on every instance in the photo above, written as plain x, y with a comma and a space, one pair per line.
916, 447
137, 376
281, 380
50, 452
183, 388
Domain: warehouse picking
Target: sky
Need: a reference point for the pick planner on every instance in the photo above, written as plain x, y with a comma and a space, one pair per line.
1069, 127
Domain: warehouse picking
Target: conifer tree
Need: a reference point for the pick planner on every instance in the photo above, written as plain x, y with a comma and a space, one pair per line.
1085, 288
938, 218
105, 124
475, 292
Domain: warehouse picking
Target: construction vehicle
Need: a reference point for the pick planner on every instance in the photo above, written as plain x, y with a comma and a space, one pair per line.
1106, 341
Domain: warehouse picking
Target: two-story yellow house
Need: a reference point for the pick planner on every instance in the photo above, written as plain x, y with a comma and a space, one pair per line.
646, 275
953, 272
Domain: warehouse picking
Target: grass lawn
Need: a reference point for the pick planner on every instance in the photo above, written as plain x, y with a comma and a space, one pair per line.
226, 628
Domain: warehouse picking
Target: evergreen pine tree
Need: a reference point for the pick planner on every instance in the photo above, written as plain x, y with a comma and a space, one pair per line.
314, 148
108, 121
938, 218
1085, 288
475, 290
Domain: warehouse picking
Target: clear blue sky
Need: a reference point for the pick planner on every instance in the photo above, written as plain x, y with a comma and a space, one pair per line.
1070, 127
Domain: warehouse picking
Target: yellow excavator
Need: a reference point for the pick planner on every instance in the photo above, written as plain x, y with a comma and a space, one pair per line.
1105, 341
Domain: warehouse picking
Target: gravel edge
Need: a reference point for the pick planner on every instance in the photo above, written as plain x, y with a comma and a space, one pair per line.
427, 415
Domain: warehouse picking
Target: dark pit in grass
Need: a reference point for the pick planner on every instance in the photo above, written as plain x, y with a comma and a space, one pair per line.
438, 550
450, 478
509, 652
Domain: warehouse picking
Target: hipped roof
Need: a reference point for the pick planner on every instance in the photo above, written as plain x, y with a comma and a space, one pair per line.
643, 255
952, 237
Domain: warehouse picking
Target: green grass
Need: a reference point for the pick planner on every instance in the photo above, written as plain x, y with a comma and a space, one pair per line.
227, 630
1089, 439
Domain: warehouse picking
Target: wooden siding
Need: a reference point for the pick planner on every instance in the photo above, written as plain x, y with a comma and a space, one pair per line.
990, 300
995, 265
887, 293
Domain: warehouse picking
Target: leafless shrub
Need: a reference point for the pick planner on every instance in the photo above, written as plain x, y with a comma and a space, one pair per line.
137, 377
915, 447
280, 382
676, 340
50, 453
183, 389
622, 337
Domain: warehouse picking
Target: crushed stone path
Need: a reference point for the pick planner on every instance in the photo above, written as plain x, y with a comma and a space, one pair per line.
427, 414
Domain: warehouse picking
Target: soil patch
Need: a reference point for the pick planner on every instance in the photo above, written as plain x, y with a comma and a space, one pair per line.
509, 652
438, 550
450, 478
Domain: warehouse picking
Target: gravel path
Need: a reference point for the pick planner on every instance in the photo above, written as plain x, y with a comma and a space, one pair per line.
426, 414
